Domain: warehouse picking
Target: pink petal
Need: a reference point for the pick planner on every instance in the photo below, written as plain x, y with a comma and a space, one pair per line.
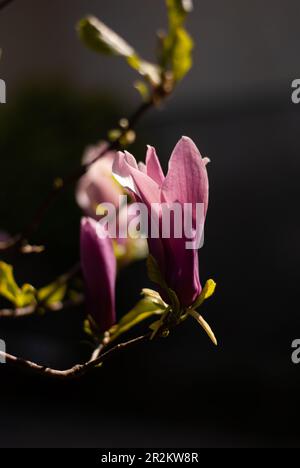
97, 185
182, 270
99, 270
154, 169
142, 167
130, 159
126, 171
92, 152
187, 180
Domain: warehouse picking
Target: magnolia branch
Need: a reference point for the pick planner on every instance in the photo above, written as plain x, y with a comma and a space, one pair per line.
32, 309
63, 183
76, 371
17, 313
79, 172
44, 304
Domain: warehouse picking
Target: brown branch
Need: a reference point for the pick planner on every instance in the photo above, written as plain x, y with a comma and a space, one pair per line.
17, 313
32, 309
76, 371
60, 187
105, 342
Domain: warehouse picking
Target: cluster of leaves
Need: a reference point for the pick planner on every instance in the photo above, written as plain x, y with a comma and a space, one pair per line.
168, 315
28, 295
174, 55
177, 45
174, 314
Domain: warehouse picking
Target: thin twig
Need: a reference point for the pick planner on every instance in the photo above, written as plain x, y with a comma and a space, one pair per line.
61, 280
17, 313
57, 189
76, 371
32, 309
105, 342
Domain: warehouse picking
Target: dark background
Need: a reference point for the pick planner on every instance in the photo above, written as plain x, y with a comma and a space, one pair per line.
236, 105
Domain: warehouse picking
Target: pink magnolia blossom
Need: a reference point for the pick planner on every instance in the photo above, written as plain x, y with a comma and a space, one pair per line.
98, 264
186, 182
98, 184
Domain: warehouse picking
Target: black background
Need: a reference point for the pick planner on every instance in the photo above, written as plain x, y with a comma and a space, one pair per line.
181, 391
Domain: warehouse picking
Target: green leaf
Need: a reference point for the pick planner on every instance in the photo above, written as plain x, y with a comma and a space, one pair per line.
174, 301
206, 327
87, 327
8, 287
148, 70
143, 89
154, 272
52, 294
154, 296
158, 324
20, 297
178, 44
27, 296
207, 292
98, 37
181, 58
155, 275
177, 11
143, 310
90, 327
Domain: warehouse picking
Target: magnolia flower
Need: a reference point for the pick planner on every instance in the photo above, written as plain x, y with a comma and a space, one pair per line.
97, 185
186, 182
98, 264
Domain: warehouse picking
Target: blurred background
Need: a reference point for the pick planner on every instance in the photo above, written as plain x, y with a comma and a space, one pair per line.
236, 105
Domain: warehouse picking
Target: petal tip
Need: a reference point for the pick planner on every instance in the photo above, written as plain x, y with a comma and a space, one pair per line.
206, 161
84, 220
186, 139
